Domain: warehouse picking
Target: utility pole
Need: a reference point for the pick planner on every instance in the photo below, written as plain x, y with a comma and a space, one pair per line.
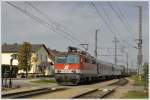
96, 50
115, 41
127, 63
96, 44
140, 56
132, 64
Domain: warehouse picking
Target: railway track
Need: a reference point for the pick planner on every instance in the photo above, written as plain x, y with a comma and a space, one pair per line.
96, 93
102, 92
98, 90
25, 94
73, 91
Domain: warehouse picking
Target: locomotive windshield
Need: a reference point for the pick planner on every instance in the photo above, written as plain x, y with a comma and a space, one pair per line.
61, 60
70, 59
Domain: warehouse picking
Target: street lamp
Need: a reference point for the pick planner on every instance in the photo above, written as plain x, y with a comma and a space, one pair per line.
13, 56
10, 73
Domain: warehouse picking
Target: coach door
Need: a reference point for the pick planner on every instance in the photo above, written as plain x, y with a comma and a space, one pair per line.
98, 68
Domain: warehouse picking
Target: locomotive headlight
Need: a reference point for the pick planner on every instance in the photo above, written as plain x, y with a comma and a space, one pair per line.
74, 71
58, 71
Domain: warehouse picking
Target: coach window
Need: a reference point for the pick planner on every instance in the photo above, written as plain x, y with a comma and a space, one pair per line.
86, 60
41, 57
93, 62
37, 55
90, 61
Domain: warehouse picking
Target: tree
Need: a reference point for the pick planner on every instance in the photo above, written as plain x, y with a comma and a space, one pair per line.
145, 76
24, 57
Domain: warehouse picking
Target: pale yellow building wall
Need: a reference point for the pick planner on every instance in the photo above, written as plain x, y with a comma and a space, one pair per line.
6, 59
35, 60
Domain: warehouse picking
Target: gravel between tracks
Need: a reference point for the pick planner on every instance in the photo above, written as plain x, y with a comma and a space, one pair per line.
104, 91
73, 91
122, 90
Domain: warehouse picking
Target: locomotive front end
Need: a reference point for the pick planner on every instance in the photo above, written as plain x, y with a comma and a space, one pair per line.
67, 69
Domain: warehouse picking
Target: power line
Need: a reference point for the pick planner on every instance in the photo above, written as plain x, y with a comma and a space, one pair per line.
6, 20
99, 14
42, 22
106, 21
120, 18
38, 20
54, 23
125, 18
110, 20
109, 55
127, 28
111, 48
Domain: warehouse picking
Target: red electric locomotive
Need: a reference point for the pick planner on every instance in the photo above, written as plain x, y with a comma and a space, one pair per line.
76, 67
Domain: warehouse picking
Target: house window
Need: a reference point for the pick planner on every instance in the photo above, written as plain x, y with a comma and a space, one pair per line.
41, 57
37, 56
46, 58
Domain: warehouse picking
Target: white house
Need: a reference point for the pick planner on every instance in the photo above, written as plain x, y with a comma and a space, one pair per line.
41, 61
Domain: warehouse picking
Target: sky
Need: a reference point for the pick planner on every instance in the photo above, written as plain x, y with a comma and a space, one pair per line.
61, 24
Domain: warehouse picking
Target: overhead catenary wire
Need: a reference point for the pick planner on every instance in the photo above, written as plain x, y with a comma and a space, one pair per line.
46, 24
108, 24
37, 19
120, 18
57, 24
125, 18
99, 14
42, 22
107, 15
127, 28
104, 19
54, 23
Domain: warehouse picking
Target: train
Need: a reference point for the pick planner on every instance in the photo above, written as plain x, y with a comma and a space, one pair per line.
76, 66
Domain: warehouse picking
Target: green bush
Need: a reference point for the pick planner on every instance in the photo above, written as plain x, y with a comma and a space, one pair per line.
48, 76
136, 94
44, 81
31, 76
137, 81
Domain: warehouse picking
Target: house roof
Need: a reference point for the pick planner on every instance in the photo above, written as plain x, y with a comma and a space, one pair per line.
14, 48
